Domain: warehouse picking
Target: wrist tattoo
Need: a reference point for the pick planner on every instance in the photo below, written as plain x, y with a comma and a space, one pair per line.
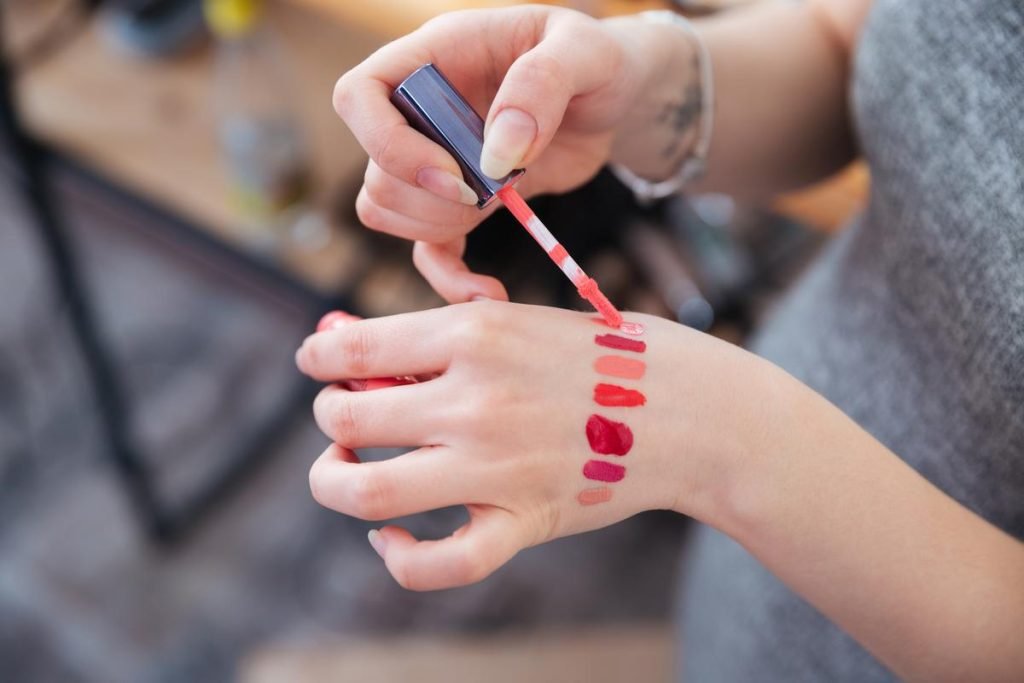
679, 118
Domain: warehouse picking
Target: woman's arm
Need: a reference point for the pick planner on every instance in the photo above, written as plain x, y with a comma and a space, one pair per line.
931, 589
781, 71
714, 432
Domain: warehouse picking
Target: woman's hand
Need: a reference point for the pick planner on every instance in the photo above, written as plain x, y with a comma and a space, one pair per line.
555, 85
502, 427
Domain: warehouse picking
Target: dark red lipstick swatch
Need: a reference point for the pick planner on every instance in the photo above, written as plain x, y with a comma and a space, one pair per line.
614, 341
608, 437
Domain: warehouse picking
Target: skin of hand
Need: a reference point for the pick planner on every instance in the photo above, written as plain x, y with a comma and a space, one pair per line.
555, 84
501, 428
930, 588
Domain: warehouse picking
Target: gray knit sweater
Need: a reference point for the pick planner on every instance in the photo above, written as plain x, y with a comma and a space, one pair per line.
912, 322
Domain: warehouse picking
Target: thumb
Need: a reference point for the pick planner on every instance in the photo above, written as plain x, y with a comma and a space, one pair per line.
529, 106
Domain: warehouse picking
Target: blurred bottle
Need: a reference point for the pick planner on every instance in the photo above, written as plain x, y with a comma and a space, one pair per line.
259, 133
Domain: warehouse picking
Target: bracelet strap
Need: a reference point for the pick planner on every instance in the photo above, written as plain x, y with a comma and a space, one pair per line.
694, 165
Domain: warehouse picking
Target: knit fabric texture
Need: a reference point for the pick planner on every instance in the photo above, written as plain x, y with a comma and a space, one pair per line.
911, 322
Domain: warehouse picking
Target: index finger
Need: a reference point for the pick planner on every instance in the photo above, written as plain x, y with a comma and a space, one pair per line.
459, 44
392, 346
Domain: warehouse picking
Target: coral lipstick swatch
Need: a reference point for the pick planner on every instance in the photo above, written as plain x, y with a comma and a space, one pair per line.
601, 494
617, 366
615, 396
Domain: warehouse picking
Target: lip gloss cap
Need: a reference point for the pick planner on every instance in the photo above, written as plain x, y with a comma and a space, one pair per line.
435, 108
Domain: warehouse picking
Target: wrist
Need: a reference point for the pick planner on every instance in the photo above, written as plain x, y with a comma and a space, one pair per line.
658, 127
742, 440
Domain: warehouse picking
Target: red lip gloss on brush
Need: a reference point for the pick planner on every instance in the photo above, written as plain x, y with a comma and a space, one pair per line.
435, 108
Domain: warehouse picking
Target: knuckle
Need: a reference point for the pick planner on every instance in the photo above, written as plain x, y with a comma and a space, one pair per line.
442, 23
375, 182
481, 329
342, 95
470, 566
311, 354
343, 422
322, 409
389, 157
547, 71
370, 214
370, 495
315, 484
356, 347
404, 576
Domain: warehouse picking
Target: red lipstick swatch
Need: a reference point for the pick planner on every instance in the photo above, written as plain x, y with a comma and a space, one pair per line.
616, 396
608, 437
599, 470
614, 341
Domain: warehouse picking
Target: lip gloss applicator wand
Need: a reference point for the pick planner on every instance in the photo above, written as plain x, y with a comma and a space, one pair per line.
435, 108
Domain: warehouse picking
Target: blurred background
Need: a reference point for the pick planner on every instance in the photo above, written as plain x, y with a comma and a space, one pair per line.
176, 205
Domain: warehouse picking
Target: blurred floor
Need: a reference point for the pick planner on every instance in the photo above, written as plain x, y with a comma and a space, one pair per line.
606, 655
83, 596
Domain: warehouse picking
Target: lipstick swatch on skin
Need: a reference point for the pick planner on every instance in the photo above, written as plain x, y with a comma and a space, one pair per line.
617, 366
614, 341
599, 470
608, 437
613, 395
601, 494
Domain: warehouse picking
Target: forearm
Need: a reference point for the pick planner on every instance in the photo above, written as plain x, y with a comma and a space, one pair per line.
930, 588
780, 78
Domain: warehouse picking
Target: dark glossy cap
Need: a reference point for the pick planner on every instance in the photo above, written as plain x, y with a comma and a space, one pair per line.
436, 109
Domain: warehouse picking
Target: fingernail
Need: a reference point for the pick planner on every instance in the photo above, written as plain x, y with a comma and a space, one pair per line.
480, 297
378, 541
508, 138
445, 185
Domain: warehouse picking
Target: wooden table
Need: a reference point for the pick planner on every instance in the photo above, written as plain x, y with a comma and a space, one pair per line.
393, 18
148, 126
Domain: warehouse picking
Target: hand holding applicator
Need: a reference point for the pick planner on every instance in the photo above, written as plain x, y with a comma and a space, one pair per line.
432, 106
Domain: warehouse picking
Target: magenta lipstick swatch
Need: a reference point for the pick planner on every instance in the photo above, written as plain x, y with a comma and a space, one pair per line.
602, 470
